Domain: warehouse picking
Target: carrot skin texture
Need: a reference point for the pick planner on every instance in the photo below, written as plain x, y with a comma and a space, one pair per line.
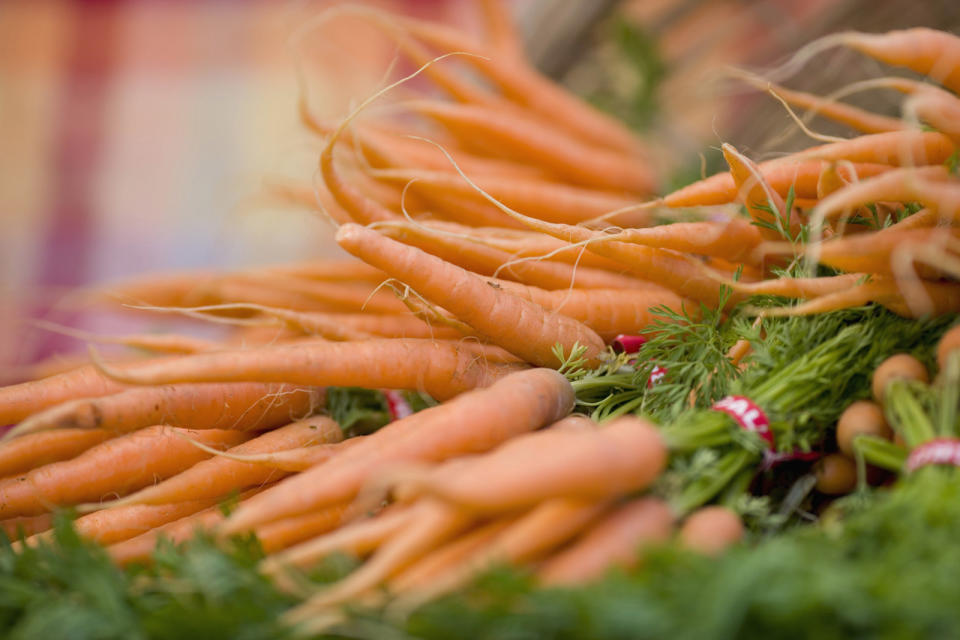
532, 333
473, 422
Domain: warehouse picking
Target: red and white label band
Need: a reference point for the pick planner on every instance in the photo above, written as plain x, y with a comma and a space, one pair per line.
398, 405
945, 451
748, 415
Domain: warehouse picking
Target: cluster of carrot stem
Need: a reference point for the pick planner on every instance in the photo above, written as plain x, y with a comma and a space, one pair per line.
498, 227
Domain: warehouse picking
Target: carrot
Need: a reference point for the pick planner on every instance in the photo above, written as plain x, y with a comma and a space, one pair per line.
733, 239
356, 538
121, 523
836, 474
902, 366
473, 422
780, 174
626, 455
938, 108
502, 33
21, 400
486, 260
242, 406
551, 201
523, 84
338, 269
896, 148
160, 343
531, 333
27, 526
927, 51
861, 417
438, 368
710, 530
546, 527
614, 541
217, 476
38, 449
115, 467
430, 523
525, 139
872, 252
285, 533
445, 559
757, 196
139, 548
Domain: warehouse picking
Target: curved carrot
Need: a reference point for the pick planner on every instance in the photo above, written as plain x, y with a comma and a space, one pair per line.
531, 334
242, 406
938, 108
757, 196
21, 400
441, 369
115, 467
900, 185
473, 422
626, 455
927, 51
38, 449
614, 541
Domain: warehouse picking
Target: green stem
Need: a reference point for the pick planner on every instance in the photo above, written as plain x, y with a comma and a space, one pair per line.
703, 489
880, 452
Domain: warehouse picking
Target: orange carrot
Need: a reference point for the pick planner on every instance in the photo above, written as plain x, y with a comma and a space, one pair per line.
938, 108
27, 526
39, 449
441, 369
525, 139
614, 541
114, 467
531, 333
430, 523
901, 185
285, 533
139, 548
218, 476
242, 406
21, 400
356, 538
471, 423
626, 455
927, 51
757, 196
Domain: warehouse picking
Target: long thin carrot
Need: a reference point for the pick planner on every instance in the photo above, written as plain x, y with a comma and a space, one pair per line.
243, 406
764, 205
114, 467
614, 541
519, 326
626, 455
285, 533
21, 400
217, 476
473, 422
441, 369
927, 51
38, 449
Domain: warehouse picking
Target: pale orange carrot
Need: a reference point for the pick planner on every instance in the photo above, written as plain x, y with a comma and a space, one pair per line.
927, 51
243, 406
39, 449
21, 400
471, 423
27, 526
938, 108
285, 533
114, 467
626, 455
441, 369
710, 530
519, 326
616, 540
757, 196
901, 185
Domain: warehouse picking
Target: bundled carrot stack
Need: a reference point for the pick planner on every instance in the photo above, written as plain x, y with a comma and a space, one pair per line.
482, 227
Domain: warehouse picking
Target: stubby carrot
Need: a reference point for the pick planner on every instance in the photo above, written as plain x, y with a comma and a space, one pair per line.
471, 423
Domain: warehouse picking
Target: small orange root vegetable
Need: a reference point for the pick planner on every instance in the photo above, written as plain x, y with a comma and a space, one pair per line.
902, 366
471, 423
862, 417
949, 343
114, 467
615, 540
710, 530
517, 325
242, 406
440, 369
38, 449
836, 474
624, 456
929, 52
755, 194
